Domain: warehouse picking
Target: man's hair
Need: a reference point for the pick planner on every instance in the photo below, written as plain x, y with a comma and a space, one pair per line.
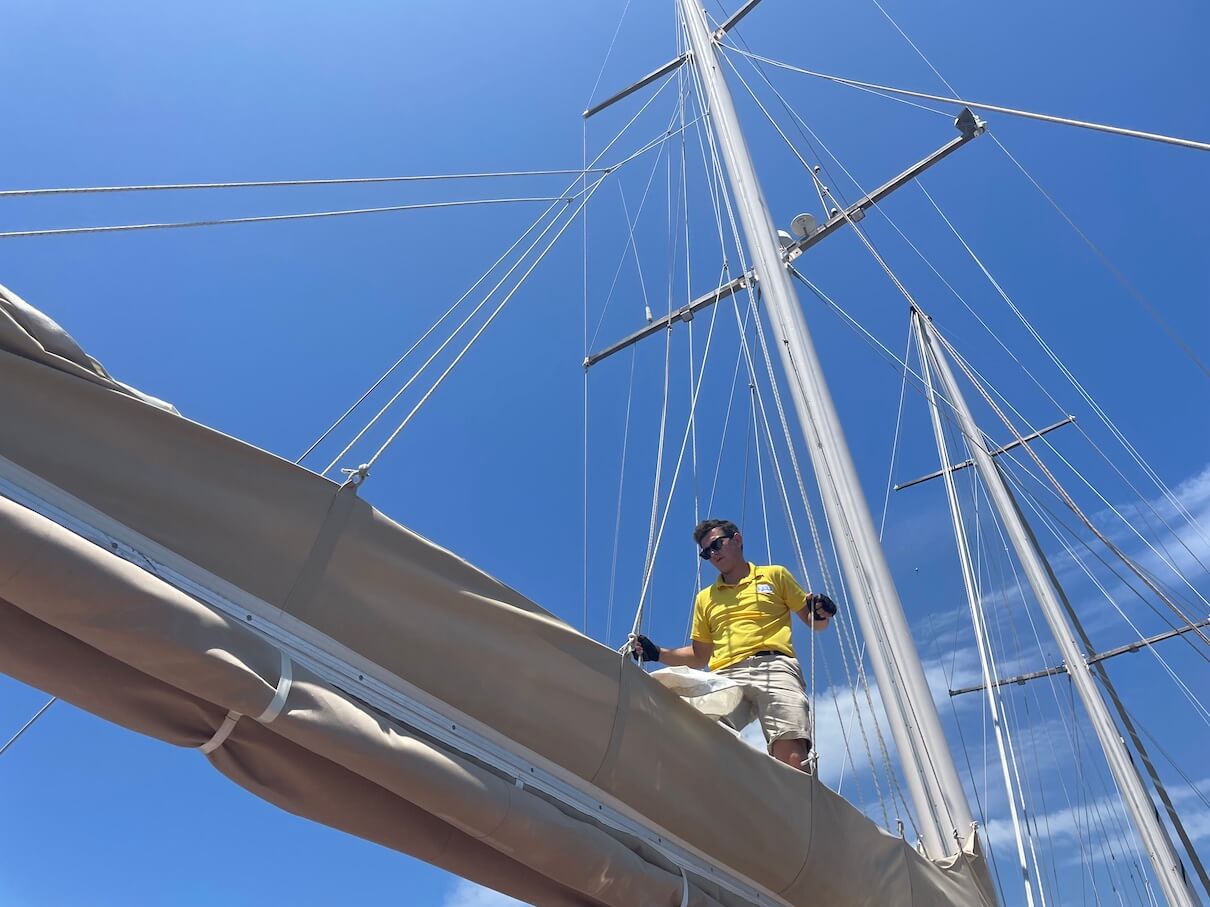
703, 529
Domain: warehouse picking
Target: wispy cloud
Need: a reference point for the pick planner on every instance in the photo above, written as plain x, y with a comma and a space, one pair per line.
468, 894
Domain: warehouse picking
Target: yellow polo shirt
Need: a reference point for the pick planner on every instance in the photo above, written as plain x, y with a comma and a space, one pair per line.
751, 616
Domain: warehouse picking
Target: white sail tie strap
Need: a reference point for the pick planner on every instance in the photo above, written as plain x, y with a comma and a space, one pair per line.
221, 735
684, 888
272, 710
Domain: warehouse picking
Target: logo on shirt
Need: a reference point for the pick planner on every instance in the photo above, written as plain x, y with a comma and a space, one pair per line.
764, 588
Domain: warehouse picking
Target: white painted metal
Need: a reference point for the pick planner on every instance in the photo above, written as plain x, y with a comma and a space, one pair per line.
941, 805
970, 583
1151, 830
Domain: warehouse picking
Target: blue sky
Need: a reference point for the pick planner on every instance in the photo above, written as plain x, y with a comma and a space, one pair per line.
268, 331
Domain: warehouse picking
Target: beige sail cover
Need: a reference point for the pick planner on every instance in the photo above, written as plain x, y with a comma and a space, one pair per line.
82, 623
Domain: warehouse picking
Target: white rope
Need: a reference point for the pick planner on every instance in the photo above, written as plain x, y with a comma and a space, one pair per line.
121, 228
657, 538
1051, 524
373, 387
1070, 376
450, 339
977, 105
492, 317
1070, 731
890, 471
1071, 503
617, 520
348, 181
608, 53
867, 89
629, 243
634, 248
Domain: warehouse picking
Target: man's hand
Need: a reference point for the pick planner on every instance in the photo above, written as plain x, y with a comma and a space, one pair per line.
643, 649
820, 602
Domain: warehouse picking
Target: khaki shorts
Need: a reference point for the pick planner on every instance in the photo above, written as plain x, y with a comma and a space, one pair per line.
773, 693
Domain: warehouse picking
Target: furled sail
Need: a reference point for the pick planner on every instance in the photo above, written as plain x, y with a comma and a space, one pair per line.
191, 587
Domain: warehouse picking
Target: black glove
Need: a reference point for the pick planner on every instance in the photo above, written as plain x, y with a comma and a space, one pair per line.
818, 600
646, 651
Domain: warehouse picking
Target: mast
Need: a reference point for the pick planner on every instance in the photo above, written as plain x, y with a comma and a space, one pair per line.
942, 810
1154, 835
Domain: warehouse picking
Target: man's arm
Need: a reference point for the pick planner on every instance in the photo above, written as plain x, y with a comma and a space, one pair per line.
817, 612
695, 655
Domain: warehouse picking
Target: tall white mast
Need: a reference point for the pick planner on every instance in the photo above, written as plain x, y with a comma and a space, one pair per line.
942, 810
1151, 830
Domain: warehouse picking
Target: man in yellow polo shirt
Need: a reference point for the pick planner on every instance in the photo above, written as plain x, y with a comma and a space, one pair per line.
741, 629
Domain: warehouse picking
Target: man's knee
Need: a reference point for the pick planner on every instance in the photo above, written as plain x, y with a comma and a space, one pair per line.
793, 752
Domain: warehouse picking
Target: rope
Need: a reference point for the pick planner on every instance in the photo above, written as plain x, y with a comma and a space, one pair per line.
373, 387
608, 53
1071, 378
1147, 306
125, 228
9, 193
654, 541
1073, 506
617, 520
977, 105
541, 256
890, 471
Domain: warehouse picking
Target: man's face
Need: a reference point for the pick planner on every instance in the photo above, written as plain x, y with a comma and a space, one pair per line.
726, 551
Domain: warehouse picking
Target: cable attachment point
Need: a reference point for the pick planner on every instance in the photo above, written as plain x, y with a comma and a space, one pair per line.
356, 476
969, 125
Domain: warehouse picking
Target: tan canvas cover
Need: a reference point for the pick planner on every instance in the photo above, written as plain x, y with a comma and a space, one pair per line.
138, 651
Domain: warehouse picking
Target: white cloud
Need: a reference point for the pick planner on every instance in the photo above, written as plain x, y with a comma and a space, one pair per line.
468, 894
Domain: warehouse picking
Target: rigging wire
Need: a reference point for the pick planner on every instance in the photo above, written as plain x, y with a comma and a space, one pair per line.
862, 681
996, 336
347, 181
716, 179
1008, 762
1073, 506
617, 521
608, 53
890, 472
1053, 524
977, 105
1071, 378
1121, 278
1118, 275
270, 218
1069, 728
585, 197
398, 362
25, 727
492, 317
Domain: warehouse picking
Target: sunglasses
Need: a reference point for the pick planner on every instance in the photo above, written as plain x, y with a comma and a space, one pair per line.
714, 546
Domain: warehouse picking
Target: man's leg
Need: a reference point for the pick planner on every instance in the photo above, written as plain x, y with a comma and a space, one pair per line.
784, 711
792, 752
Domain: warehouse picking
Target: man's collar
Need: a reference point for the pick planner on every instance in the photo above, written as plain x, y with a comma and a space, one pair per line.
751, 574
